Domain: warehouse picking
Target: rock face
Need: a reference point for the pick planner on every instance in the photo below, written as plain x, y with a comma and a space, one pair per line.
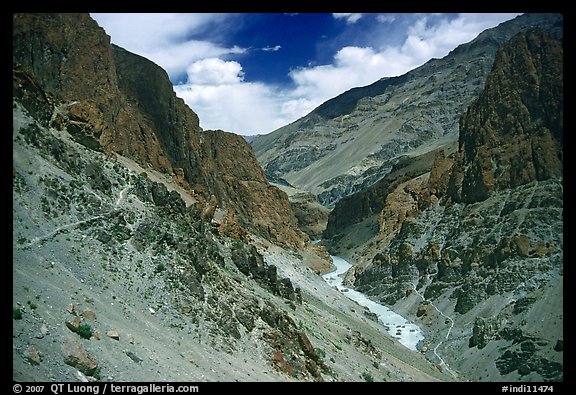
105, 104
513, 133
194, 271
480, 234
353, 140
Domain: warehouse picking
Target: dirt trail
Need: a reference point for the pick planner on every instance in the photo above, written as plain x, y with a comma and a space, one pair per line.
442, 362
158, 177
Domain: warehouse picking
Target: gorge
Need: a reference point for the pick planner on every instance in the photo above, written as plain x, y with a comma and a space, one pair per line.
146, 248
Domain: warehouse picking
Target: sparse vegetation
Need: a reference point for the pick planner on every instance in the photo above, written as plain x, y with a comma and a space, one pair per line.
32, 305
367, 377
84, 331
17, 313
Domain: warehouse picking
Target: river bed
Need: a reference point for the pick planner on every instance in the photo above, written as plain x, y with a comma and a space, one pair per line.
408, 334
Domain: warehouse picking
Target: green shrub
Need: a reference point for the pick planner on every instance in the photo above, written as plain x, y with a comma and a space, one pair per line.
17, 313
84, 331
367, 377
159, 268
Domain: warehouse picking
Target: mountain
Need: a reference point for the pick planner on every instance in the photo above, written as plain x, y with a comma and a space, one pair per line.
142, 119
353, 140
468, 241
146, 249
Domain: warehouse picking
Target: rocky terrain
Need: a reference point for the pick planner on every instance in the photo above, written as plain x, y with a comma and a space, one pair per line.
311, 215
141, 252
353, 140
106, 105
470, 243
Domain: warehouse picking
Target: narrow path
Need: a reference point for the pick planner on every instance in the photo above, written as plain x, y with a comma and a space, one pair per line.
59, 229
121, 196
36, 240
442, 362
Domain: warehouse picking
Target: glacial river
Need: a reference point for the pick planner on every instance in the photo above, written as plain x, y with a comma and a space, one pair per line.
407, 334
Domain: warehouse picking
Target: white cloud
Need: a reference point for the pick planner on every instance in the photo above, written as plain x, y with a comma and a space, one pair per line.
162, 38
272, 49
386, 18
350, 17
175, 58
216, 90
358, 66
214, 72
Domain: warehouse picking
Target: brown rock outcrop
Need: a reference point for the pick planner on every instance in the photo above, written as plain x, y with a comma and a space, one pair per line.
108, 99
513, 133
75, 355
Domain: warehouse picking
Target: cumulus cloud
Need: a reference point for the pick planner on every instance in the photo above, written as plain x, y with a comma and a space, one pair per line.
214, 71
163, 38
350, 17
217, 92
215, 87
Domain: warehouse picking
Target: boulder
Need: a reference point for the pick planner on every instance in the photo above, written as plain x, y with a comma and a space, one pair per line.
113, 334
74, 323
89, 313
43, 332
33, 356
422, 309
76, 356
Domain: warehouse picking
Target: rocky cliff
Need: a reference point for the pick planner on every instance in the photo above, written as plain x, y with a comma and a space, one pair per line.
473, 249
118, 102
352, 141
146, 249
512, 134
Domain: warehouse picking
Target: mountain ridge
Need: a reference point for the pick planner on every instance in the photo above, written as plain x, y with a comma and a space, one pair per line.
138, 259
108, 99
336, 157
489, 253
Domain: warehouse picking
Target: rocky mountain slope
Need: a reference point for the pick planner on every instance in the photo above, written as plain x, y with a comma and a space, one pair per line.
472, 245
141, 252
353, 140
107, 104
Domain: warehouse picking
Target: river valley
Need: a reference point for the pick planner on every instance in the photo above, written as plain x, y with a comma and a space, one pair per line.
408, 334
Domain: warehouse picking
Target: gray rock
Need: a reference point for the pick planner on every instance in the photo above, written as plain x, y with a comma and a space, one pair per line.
133, 356
75, 355
33, 356
44, 331
113, 334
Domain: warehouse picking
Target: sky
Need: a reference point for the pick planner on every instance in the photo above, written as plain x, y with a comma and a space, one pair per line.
253, 73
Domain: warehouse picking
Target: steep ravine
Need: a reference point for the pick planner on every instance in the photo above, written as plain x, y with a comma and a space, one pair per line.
353, 140
476, 241
145, 249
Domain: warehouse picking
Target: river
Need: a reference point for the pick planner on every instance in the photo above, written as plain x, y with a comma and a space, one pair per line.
408, 334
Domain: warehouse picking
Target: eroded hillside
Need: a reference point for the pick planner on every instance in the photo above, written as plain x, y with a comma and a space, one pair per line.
141, 252
352, 141
472, 246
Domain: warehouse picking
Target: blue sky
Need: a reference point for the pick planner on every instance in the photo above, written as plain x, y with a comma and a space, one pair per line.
253, 73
